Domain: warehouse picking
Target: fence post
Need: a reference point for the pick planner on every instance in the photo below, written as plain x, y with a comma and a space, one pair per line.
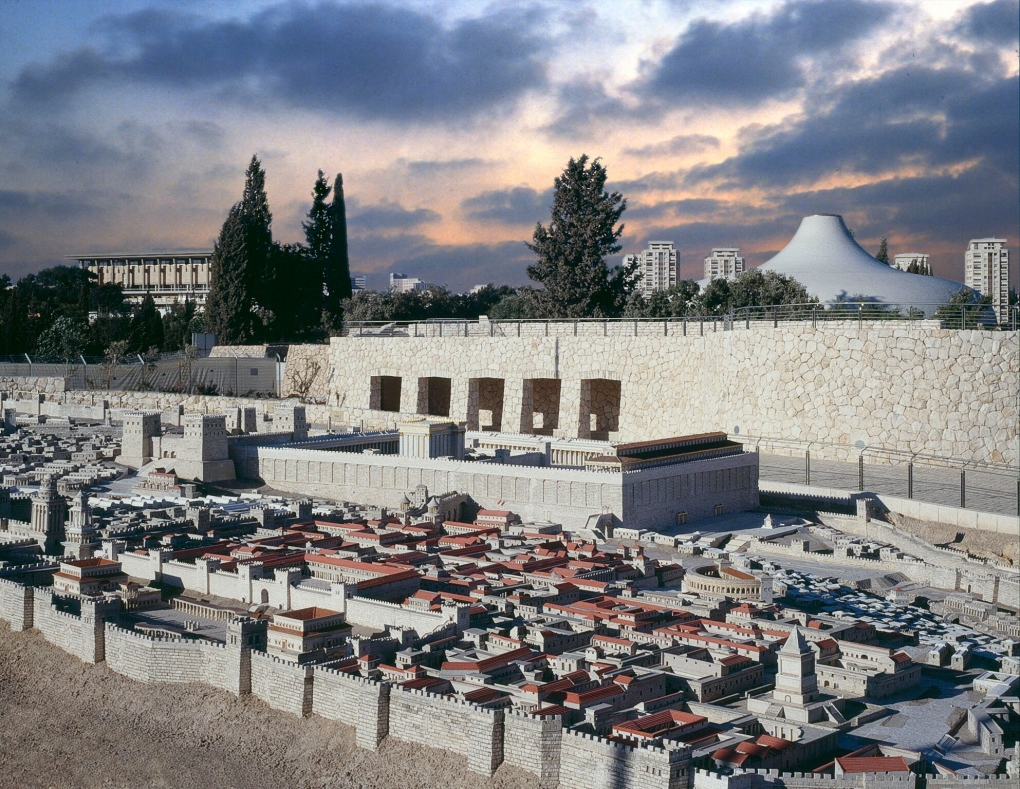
860, 472
814, 318
685, 327
860, 322
807, 466
910, 480
963, 488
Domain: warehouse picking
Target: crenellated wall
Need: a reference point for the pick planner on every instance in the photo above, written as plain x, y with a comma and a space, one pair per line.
282, 685
474, 732
593, 762
362, 703
532, 743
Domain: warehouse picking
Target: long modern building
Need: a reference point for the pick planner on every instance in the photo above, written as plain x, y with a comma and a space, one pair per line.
169, 277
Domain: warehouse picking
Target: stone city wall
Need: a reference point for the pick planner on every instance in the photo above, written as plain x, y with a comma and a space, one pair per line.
532, 743
354, 701
282, 685
35, 384
16, 604
774, 779
151, 659
474, 732
942, 392
378, 614
593, 762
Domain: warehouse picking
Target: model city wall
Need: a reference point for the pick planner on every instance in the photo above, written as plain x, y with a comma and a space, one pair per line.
486, 737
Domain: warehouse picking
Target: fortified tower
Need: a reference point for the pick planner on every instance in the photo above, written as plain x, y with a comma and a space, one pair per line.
796, 682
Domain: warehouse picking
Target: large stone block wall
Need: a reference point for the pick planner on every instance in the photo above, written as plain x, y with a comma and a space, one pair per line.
16, 604
354, 701
282, 685
377, 614
306, 373
147, 659
474, 732
590, 761
532, 743
912, 388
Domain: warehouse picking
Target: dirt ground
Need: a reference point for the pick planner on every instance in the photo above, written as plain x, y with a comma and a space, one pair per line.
67, 724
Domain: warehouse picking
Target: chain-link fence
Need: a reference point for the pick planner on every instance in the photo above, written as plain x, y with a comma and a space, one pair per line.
168, 373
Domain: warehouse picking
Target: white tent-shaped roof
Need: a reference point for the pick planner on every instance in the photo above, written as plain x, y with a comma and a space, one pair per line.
825, 259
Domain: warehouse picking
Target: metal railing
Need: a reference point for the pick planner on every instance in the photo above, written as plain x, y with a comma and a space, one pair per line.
953, 316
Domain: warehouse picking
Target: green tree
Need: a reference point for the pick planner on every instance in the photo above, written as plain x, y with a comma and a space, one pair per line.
230, 306
146, 327
63, 339
883, 251
677, 301
178, 324
336, 273
966, 309
757, 288
572, 250
917, 267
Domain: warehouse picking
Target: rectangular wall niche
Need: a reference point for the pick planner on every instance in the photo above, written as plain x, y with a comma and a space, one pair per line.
540, 406
434, 396
385, 393
600, 408
485, 404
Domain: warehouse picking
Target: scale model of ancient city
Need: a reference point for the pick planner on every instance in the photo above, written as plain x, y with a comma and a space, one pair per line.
716, 554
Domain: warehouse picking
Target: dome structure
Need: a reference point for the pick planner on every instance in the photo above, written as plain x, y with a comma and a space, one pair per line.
824, 258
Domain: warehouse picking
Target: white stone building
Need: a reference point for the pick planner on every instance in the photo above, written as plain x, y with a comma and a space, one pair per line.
724, 263
401, 283
903, 260
657, 266
986, 270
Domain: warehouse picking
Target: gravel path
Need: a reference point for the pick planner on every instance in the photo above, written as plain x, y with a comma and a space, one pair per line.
71, 725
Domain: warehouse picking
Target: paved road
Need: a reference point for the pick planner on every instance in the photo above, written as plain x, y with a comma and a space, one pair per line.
985, 491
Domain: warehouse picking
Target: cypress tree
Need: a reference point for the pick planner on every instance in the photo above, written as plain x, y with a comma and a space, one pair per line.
317, 227
229, 309
146, 327
883, 251
260, 274
336, 263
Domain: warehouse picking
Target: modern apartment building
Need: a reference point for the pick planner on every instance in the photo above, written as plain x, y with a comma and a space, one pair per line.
903, 260
657, 266
724, 263
401, 283
170, 277
986, 270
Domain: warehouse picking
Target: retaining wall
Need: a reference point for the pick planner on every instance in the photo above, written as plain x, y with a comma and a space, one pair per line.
16, 604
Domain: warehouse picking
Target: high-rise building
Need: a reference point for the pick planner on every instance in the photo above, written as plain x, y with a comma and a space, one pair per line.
657, 266
724, 263
401, 283
903, 260
986, 270
358, 283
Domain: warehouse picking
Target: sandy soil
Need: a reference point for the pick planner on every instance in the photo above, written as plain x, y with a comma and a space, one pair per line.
68, 724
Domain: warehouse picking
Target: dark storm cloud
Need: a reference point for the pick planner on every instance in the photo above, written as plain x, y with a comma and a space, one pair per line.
7, 241
695, 206
584, 104
430, 167
758, 58
520, 205
678, 146
904, 117
372, 61
997, 22
18, 206
387, 216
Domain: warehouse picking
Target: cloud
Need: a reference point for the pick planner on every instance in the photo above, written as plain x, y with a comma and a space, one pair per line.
370, 61
678, 146
906, 117
520, 205
387, 216
584, 104
7, 241
757, 58
429, 167
694, 206
997, 22
463, 266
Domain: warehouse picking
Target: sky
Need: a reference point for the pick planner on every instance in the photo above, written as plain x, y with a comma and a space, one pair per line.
127, 125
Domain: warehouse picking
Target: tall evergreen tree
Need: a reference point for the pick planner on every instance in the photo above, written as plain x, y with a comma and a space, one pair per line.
572, 250
318, 227
146, 327
230, 306
336, 265
883, 251
261, 274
